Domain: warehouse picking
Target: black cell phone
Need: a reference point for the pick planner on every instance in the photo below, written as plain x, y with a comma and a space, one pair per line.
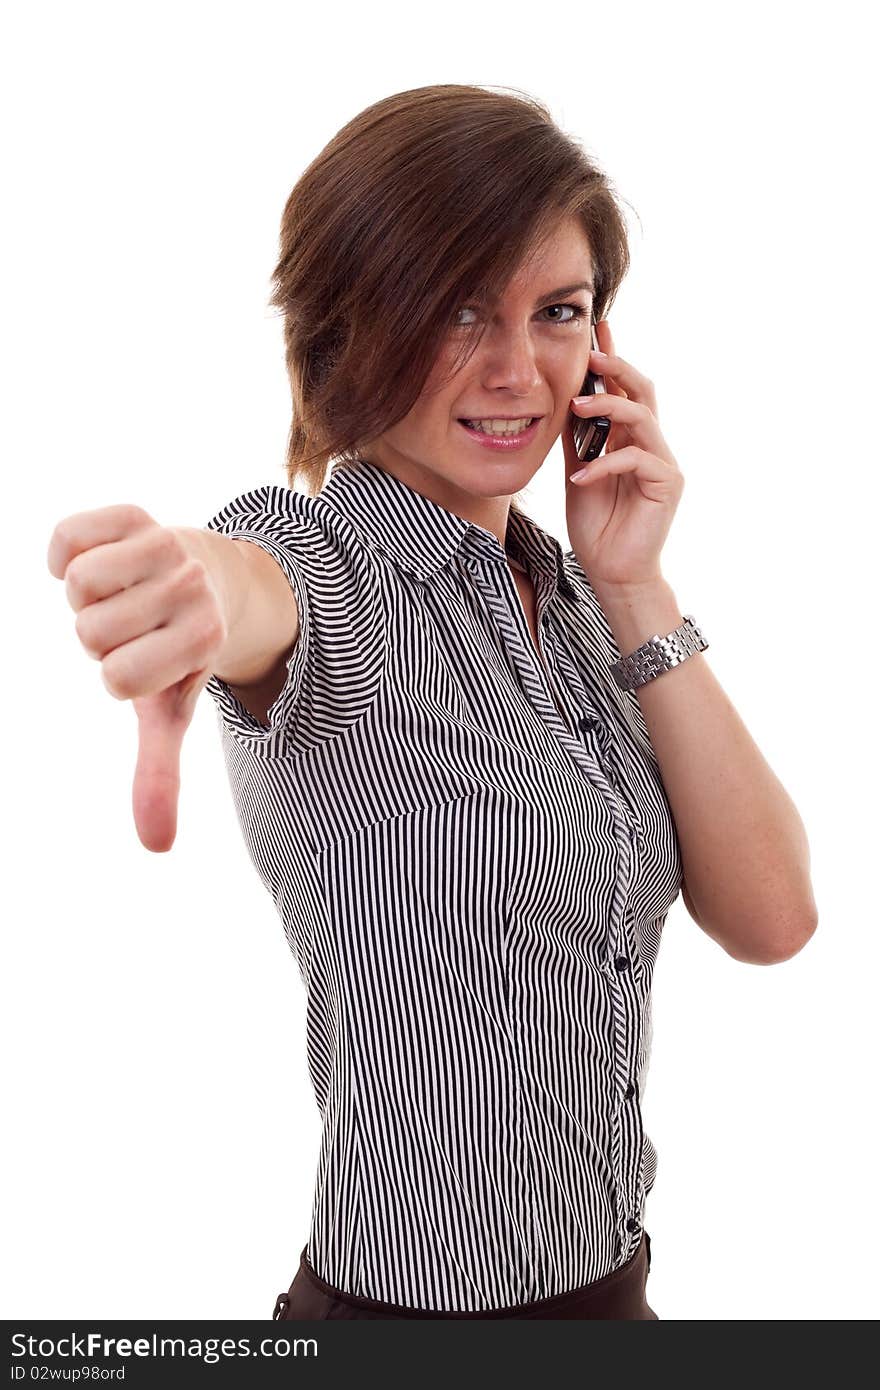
590, 434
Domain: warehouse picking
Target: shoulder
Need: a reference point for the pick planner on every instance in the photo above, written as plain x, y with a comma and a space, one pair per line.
275, 505
336, 667
305, 534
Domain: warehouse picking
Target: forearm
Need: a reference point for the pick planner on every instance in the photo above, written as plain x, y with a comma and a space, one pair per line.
252, 643
745, 854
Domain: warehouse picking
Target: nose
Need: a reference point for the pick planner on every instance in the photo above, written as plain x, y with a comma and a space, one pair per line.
511, 362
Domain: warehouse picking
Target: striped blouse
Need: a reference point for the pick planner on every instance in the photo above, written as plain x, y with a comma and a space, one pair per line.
472, 855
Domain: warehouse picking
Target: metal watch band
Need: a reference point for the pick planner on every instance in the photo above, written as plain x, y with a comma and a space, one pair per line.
658, 654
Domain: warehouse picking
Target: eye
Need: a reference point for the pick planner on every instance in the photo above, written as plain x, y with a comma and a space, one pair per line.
577, 312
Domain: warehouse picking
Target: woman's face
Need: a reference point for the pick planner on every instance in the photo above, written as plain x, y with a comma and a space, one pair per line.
531, 360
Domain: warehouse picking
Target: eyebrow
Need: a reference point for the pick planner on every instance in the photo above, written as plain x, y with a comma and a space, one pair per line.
563, 291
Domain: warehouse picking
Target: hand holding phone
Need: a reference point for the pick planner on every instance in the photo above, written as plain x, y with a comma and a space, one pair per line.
590, 434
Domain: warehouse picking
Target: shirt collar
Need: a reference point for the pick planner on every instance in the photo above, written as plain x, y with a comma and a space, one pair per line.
421, 536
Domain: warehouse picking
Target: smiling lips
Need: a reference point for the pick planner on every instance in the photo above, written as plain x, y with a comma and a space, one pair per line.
500, 425
498, 433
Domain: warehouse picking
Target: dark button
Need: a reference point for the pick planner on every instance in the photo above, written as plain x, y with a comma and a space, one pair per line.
632, 1224
545, 619
588, 724
630, 1091
621, 962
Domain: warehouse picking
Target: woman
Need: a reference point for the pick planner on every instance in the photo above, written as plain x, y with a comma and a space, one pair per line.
472, 810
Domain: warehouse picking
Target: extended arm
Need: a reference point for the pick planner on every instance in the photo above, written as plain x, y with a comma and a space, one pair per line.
263, 618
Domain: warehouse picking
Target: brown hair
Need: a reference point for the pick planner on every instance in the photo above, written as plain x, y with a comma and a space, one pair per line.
427, 198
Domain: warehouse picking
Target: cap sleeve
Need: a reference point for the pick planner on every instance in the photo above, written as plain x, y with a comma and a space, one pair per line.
336, 666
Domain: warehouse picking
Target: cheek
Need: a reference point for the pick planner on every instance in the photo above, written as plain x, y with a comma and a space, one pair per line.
425, 422
444, 386
430, 417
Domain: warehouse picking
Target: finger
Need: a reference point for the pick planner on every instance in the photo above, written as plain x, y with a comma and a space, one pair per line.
635, 384
608, 345
110, 570
84, 530
156, 786
648, 467
601, 362
638, 419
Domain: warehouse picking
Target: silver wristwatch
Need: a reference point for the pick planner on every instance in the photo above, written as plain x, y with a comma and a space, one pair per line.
658, 654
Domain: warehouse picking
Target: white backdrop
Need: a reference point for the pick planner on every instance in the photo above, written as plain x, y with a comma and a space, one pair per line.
163, 1135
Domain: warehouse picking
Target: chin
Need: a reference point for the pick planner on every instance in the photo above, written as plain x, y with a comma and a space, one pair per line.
496, 478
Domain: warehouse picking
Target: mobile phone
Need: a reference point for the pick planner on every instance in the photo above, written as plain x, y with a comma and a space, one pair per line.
590, 434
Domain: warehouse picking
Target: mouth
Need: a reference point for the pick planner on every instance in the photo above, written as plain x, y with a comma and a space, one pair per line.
501, 433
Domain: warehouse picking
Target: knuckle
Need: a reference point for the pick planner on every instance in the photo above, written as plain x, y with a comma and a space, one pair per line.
208, 632
85, 627
62, 535
116, 679
188, 578
132, 517
75, 579
166, 546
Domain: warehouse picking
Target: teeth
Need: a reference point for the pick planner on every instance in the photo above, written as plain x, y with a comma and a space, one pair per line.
501, 426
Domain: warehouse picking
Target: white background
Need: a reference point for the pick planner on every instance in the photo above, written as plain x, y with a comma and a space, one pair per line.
162, 1134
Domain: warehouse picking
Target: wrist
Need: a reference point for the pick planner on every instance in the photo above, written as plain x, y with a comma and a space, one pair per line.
638, 611
224, 561
625, 593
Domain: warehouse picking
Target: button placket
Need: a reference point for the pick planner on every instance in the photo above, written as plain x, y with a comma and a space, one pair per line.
548, 665
590, 723
622, 965
623, 969
528, 667
637, 836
